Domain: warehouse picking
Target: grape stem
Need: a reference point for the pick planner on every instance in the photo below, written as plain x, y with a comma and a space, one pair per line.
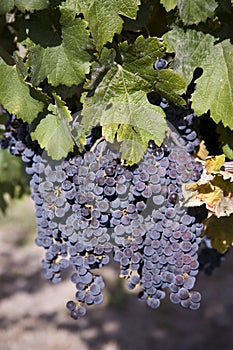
170, 135
102, 138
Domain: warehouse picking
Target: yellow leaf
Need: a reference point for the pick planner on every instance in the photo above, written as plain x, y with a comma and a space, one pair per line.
214, 163
202, 151
211, 198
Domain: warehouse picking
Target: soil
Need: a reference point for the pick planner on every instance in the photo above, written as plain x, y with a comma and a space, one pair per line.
33, 314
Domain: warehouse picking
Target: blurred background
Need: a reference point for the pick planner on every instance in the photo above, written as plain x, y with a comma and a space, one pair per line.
33, 314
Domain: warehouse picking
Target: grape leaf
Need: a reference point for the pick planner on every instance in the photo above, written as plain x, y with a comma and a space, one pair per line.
169, 4
6, 6
139, 122
214, 90
118, 95
226, 140
191, 49
70, 5
117, 99
212, 196
170, 85
122, 110
23, 5
139, 58
15, 94
12, 178
214, 164
220, 230
104, 17
10, 167
215, 190
67, 63
54, 132
215, 87
137, 65
202, 151
31, 5
196, 11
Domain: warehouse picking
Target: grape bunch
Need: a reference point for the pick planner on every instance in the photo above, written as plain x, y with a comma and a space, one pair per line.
91, 206
157, 250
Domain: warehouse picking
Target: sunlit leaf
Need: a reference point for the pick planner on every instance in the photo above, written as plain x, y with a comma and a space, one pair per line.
54, 132
15, 94
214, 89
196, 11
169, 4
214, 163
67, 63
31, 5
214, 191
119, 101
104, 17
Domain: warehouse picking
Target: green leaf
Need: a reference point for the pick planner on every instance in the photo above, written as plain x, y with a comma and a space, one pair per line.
169, 4
139, 59
220, 230
215, 87
15, 94
196, 11
135, 122
191, 48
67, 63
214, 90
31, 5
100, 68
6, 6
170, 85
12, 178
226, 140
10, 167
118, 100
104, 17
70, 5
54, 132
137, 67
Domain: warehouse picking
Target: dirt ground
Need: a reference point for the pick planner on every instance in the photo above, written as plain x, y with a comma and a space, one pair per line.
33, 314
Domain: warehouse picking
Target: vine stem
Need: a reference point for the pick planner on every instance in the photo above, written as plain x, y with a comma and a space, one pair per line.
102, 138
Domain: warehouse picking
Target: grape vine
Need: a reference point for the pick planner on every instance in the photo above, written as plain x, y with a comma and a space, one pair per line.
104, 107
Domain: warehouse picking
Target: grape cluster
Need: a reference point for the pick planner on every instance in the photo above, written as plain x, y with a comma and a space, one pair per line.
91, 205
16, 137
184, 122
157, 249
